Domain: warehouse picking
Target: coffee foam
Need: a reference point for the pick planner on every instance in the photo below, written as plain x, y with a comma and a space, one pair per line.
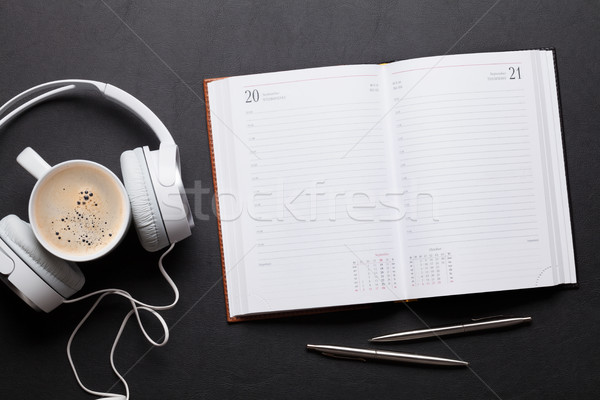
79, 210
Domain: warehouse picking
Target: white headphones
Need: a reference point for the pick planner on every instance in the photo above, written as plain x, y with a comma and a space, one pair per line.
161, 212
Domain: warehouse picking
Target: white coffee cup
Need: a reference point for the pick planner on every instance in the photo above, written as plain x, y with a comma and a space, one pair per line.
78, 209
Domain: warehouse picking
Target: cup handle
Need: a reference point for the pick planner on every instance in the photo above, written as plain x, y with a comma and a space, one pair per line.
33, 163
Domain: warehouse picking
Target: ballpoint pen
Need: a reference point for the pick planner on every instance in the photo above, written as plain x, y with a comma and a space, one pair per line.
382, 355
453, 329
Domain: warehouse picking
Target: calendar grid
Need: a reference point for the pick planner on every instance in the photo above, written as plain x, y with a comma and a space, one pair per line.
433, 268
375, 274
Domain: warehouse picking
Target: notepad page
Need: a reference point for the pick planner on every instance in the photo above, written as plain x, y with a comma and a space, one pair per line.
303, 170
470, 134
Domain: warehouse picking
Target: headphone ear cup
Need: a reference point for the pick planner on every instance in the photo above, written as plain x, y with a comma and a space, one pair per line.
144, 204
64, 277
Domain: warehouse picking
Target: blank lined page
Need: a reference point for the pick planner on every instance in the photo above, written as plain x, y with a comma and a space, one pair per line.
467, 136
312, 171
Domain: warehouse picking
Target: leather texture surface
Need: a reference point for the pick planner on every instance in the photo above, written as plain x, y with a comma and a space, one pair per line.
160, 52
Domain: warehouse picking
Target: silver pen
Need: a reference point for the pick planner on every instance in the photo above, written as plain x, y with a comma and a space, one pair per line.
451, 330
382, 355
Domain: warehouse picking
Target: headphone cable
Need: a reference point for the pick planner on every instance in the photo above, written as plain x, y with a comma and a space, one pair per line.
136, 306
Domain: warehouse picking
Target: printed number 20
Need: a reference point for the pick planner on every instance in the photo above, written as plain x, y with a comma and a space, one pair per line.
252, 96
515, 73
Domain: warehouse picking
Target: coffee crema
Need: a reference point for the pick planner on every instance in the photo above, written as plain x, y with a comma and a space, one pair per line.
79, 210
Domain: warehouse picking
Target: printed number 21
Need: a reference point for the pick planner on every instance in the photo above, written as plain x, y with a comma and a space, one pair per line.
515, 73
252, 96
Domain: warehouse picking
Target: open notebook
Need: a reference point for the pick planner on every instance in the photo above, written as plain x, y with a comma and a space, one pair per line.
358, 184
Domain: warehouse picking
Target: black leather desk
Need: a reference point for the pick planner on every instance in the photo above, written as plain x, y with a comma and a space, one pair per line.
161, 52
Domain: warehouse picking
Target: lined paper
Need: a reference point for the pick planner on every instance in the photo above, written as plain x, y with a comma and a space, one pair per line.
315, 182
467, 140
367, 183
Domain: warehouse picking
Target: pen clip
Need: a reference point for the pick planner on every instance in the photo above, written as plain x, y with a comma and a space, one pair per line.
344, 357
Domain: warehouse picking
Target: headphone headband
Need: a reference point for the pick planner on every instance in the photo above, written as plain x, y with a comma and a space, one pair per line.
54, 89
170, 208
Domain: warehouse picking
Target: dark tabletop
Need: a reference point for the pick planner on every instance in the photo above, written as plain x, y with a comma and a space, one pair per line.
161, 51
